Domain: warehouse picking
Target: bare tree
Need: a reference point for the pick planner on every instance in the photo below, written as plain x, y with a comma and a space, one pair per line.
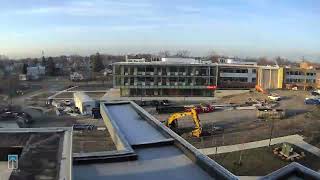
182, 53
164, 53
264, 61
214, 57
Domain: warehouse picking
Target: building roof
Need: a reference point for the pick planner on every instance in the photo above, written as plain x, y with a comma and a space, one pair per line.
42, 152
161, 154
293, 171
180, 60
82, 96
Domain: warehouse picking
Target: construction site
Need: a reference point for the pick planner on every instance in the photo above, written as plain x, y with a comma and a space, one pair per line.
253, 131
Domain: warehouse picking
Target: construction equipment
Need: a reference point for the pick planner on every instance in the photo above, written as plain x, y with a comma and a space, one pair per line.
172, 121
202, 108
260, 89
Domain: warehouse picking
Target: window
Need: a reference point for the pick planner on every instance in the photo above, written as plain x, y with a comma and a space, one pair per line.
254, 71
254, 79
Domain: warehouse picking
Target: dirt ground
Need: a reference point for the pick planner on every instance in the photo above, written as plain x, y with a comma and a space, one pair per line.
92, 141
243, 126
261, 161
83, 141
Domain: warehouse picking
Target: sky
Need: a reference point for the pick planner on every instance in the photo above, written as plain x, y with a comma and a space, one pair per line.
245, 28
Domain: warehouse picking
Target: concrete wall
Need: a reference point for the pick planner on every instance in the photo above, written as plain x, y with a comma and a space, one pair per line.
115, 133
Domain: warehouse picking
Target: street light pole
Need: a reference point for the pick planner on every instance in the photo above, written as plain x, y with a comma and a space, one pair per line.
271, 131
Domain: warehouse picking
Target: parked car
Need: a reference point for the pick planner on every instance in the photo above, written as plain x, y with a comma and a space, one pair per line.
67, 102
217, 130
274, 97
8, 115
165, 103
315, 93
313, 101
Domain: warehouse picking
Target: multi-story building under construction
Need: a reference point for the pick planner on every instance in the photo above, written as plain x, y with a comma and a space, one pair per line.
169, 77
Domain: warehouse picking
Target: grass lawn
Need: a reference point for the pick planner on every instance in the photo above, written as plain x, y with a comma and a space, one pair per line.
261, 161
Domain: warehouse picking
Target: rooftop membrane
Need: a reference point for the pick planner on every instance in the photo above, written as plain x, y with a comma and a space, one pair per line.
161, 154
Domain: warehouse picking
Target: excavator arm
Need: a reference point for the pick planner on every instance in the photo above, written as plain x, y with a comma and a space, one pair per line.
193, 113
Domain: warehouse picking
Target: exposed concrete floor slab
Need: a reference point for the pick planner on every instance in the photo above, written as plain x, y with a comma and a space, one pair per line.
162, 163
136, 129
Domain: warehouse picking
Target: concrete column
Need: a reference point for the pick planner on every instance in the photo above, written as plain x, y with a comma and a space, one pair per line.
114, 76
249, 75
122, 75
122, 70
135, 70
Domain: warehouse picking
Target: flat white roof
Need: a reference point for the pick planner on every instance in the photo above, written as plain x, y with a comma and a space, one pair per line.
82, 96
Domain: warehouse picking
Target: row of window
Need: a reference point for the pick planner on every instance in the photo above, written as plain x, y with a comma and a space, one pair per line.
230, 70
236, 79
299, 73
300, 80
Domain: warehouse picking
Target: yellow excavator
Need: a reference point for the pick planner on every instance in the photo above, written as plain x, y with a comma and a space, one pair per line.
172, 121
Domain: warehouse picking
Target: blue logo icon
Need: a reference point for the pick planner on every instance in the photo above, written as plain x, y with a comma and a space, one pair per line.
12, 161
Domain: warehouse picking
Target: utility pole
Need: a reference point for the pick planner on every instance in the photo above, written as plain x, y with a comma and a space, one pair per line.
271, 131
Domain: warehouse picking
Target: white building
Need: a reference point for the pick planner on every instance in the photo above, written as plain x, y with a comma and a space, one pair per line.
180, 60
75, 76
135, 59
84, 103
236, 61
35, 72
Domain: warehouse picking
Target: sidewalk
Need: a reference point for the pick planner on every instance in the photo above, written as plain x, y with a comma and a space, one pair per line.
293, 139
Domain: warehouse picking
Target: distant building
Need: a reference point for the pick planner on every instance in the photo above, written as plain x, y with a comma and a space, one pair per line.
35, 72
303, 79
75, 76
23, 77
134, 59
306, 65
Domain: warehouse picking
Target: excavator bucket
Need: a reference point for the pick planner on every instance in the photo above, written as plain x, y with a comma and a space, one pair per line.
196, 133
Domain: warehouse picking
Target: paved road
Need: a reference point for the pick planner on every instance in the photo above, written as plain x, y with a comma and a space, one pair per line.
19, 100
60, 92
293, 139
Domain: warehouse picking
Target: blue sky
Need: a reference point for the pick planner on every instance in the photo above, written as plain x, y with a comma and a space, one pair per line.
288, 28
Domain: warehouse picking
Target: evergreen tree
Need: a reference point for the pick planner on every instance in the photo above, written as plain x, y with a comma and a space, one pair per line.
96, 63
25, 68
50, 66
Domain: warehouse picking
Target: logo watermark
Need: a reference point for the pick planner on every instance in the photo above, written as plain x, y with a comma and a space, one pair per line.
13, 161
